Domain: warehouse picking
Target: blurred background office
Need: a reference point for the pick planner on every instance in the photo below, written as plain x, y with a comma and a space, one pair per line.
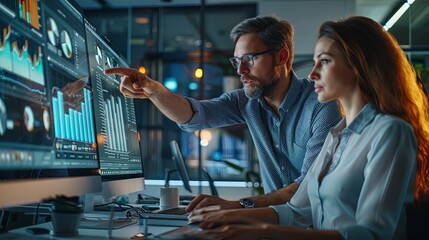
185, 45
53, 143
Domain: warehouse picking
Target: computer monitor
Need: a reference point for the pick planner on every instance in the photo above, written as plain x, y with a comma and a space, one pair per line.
47, 137
180, 166
116, 128
183, 170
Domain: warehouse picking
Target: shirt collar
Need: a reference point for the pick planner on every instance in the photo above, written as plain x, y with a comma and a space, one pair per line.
363, 119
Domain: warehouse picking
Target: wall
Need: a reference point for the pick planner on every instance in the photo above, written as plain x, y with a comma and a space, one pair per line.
306, 16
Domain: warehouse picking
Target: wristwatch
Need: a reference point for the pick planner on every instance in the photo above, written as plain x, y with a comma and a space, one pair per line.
246, 203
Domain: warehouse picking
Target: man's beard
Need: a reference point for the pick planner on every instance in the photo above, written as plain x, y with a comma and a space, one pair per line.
260, 90
255, 92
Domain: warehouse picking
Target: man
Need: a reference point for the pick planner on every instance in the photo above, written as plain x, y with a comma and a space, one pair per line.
287, 123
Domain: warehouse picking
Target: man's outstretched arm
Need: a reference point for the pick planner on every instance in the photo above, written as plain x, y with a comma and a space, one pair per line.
137, 85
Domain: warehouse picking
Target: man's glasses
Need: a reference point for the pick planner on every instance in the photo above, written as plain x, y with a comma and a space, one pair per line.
247, 59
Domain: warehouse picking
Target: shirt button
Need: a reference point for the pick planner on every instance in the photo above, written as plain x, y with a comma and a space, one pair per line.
277, 146
283, 168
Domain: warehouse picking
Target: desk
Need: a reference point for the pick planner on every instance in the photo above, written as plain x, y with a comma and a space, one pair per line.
122, 233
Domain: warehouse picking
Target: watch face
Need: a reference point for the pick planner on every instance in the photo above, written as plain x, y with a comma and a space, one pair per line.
247, 203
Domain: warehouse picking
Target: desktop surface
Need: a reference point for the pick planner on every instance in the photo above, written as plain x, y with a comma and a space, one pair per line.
183, 233
128, 232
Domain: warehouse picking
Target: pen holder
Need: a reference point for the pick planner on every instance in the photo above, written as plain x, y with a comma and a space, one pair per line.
65, 224
66, 214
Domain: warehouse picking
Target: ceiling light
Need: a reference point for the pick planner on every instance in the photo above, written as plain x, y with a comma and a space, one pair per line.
398, 14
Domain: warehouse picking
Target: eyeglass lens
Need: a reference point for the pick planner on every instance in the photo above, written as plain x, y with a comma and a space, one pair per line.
247, 60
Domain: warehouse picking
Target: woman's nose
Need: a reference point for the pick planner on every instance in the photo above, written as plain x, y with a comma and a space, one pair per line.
313, 75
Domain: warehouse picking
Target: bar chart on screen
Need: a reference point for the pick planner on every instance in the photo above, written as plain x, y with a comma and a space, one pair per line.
28, 10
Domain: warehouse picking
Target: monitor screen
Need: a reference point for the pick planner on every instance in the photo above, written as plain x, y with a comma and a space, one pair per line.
47, 134
180, 164
183, 170
116, 128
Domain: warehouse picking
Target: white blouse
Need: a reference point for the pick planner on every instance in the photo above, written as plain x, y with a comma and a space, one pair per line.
368, 184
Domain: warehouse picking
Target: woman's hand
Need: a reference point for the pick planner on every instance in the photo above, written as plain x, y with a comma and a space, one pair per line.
212, 216
203, 200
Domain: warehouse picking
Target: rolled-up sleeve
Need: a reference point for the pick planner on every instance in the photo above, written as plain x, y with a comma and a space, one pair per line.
214, 113
298, 211
197, 118
284, 214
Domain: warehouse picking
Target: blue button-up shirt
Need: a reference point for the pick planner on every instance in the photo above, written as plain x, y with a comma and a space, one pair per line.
286, 144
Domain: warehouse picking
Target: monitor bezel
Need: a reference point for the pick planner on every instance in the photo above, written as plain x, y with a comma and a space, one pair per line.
30, 191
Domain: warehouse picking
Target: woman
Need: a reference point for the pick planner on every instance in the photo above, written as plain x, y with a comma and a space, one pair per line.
373, 162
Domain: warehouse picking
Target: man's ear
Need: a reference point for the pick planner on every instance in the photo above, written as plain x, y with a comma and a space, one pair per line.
283, 56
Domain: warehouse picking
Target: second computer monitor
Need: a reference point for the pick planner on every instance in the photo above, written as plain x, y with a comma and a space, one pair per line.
180, 164
116, 128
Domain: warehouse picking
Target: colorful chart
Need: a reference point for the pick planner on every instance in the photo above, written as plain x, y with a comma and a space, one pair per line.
74, 124
21, 56
66, 44
28, 11
52, 31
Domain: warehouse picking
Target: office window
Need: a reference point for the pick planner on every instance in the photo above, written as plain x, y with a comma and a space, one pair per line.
175, 65
412, 35
112, 24
165, 43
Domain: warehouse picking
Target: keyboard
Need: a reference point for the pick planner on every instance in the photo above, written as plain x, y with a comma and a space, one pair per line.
186, 198
176, 210
147, 201
109, 207
96, 223
178, 213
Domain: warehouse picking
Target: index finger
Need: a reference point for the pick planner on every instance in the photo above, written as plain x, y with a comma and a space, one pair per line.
191, 206
204, 210
207, 209
196, 202
121, 71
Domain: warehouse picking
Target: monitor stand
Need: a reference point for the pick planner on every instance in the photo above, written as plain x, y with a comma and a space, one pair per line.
213, 188
107, 221
89, 206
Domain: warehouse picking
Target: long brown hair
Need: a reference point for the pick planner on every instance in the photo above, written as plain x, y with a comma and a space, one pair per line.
387, 79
